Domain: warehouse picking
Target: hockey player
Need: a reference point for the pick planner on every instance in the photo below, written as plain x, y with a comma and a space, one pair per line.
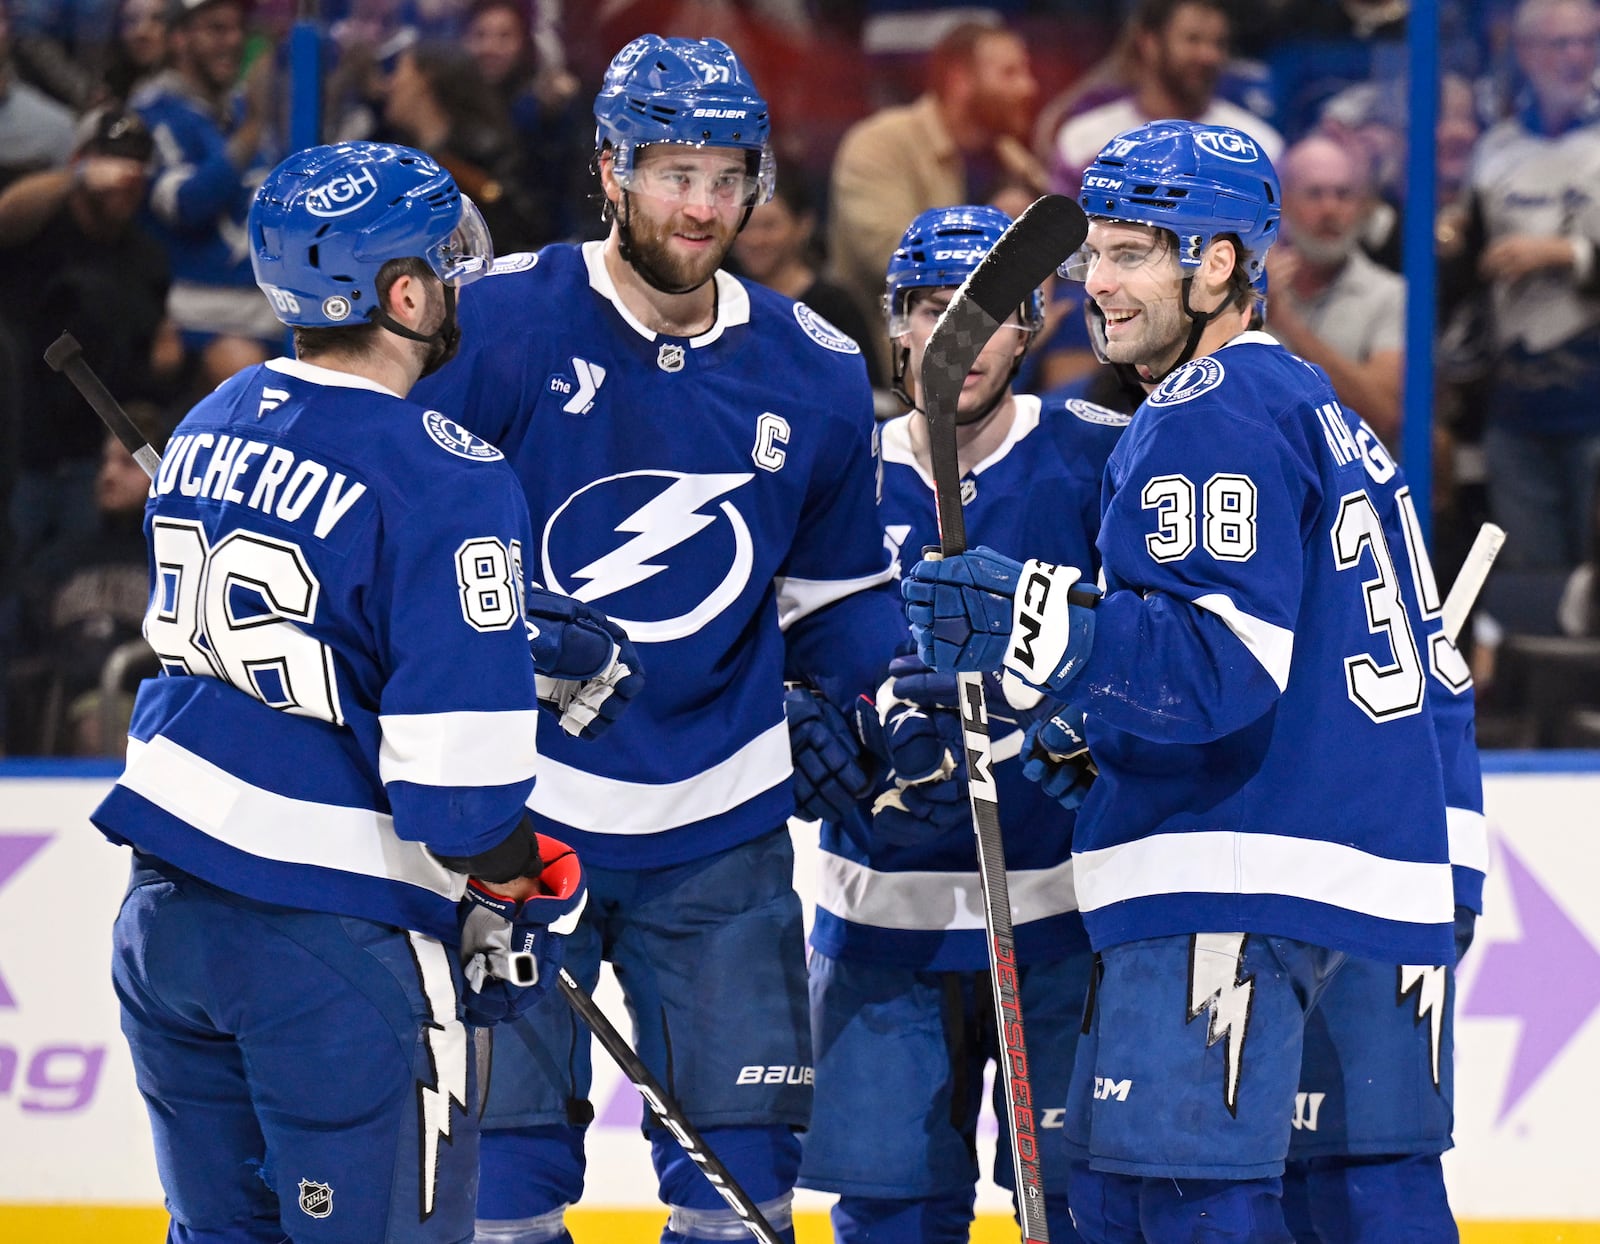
696, 451
1250, 654
339, 746
1375, 1106
902, 1014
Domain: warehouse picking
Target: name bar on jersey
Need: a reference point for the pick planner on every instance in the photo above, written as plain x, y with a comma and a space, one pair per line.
203, 464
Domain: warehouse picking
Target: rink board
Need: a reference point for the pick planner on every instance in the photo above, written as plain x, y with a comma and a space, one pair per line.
75, 1159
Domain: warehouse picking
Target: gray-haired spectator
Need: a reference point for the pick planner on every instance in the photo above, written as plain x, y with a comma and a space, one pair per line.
1329, 303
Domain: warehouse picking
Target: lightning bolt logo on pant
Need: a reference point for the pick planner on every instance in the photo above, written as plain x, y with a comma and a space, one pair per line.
445, 1040
1216, 983
1430, 983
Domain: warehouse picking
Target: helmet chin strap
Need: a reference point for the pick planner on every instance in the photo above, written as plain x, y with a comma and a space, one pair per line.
442, 343
1197, 326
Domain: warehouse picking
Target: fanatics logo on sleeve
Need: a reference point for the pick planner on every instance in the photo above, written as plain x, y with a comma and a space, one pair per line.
448, 434
824, 333
1188, 382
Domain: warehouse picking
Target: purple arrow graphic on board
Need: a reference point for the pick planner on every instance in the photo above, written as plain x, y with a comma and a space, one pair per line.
15, 851
1549, 979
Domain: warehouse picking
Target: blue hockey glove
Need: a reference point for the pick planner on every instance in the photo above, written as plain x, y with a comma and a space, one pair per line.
511, 949
982, 611
586, 666
830, 775
914, 730
1055, 755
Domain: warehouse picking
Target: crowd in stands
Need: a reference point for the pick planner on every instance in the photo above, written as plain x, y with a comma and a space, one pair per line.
133, 134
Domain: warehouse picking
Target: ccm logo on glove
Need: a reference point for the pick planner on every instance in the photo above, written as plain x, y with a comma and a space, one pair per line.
1041, 621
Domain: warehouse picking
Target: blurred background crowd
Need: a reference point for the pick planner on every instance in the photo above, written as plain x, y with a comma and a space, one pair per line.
134, 132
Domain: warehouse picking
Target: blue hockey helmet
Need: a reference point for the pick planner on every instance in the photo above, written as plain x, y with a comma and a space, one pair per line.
1199, 182
694, 92
939, 250
328, 218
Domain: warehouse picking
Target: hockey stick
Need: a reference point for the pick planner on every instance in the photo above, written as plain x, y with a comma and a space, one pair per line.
65, 355
667, 1110
1469, 579
1040, 239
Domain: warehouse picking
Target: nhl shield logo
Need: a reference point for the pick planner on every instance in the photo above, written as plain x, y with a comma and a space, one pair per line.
316, 1199
670, 357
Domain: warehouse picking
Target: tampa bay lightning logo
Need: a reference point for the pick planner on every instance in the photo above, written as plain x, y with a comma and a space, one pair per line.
520, 261
824, 333
1188, 382
448, 434
662, 552
1092, 412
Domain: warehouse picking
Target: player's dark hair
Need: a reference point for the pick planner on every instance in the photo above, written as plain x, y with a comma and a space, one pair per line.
357, 339
1153, 15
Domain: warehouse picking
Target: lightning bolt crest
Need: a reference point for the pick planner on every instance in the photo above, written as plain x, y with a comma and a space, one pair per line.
1431, 985
1216, 961
660, 524
445, 1039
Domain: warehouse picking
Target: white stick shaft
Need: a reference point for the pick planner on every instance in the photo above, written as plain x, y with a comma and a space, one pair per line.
1469, 582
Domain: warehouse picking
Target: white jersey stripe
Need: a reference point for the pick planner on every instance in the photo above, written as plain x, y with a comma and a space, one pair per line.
799, 597
1469, 838
604, 805
277, 827
935, 901
1224, 862
1272, 645
458, 749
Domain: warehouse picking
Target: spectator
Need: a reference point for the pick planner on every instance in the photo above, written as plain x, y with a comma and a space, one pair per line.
439, 102
73, 254
1332, 305
778, 248
212, 150
138, 48
1179, 51
34, 129
958, 142
61, 46
1534, 229
548, 114
1578, 613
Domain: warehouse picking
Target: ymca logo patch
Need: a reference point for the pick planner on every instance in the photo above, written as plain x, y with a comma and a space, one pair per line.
1188, 382
824, 333
448, 434
1091, 412
316, 1199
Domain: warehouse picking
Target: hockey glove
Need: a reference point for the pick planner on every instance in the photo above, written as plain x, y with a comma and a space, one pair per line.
982, 611
914, 730
1055, 755
829, 775
511, 949
585, 664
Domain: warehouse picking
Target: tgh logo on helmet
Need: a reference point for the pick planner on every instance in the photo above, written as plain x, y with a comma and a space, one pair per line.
342, 194
1229, 144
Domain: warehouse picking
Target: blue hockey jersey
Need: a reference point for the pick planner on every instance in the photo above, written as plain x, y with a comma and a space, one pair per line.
1450, 698
1038, 494
714, 496
1257, 694
337, 603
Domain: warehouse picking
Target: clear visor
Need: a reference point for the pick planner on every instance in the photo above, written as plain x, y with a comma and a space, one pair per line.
467, 253
923, 313
684, 186
1125, 255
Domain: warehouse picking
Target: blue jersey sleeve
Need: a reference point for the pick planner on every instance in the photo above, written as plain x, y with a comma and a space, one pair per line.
194, 182
458, 710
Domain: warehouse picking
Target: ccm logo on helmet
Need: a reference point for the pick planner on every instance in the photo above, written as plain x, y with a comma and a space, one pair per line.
1102, 183
1228, 145
344, 194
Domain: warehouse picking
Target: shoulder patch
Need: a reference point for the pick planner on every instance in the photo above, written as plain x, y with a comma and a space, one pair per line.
448, 434
822, 332
1194, 378
1091, 412
521, 261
